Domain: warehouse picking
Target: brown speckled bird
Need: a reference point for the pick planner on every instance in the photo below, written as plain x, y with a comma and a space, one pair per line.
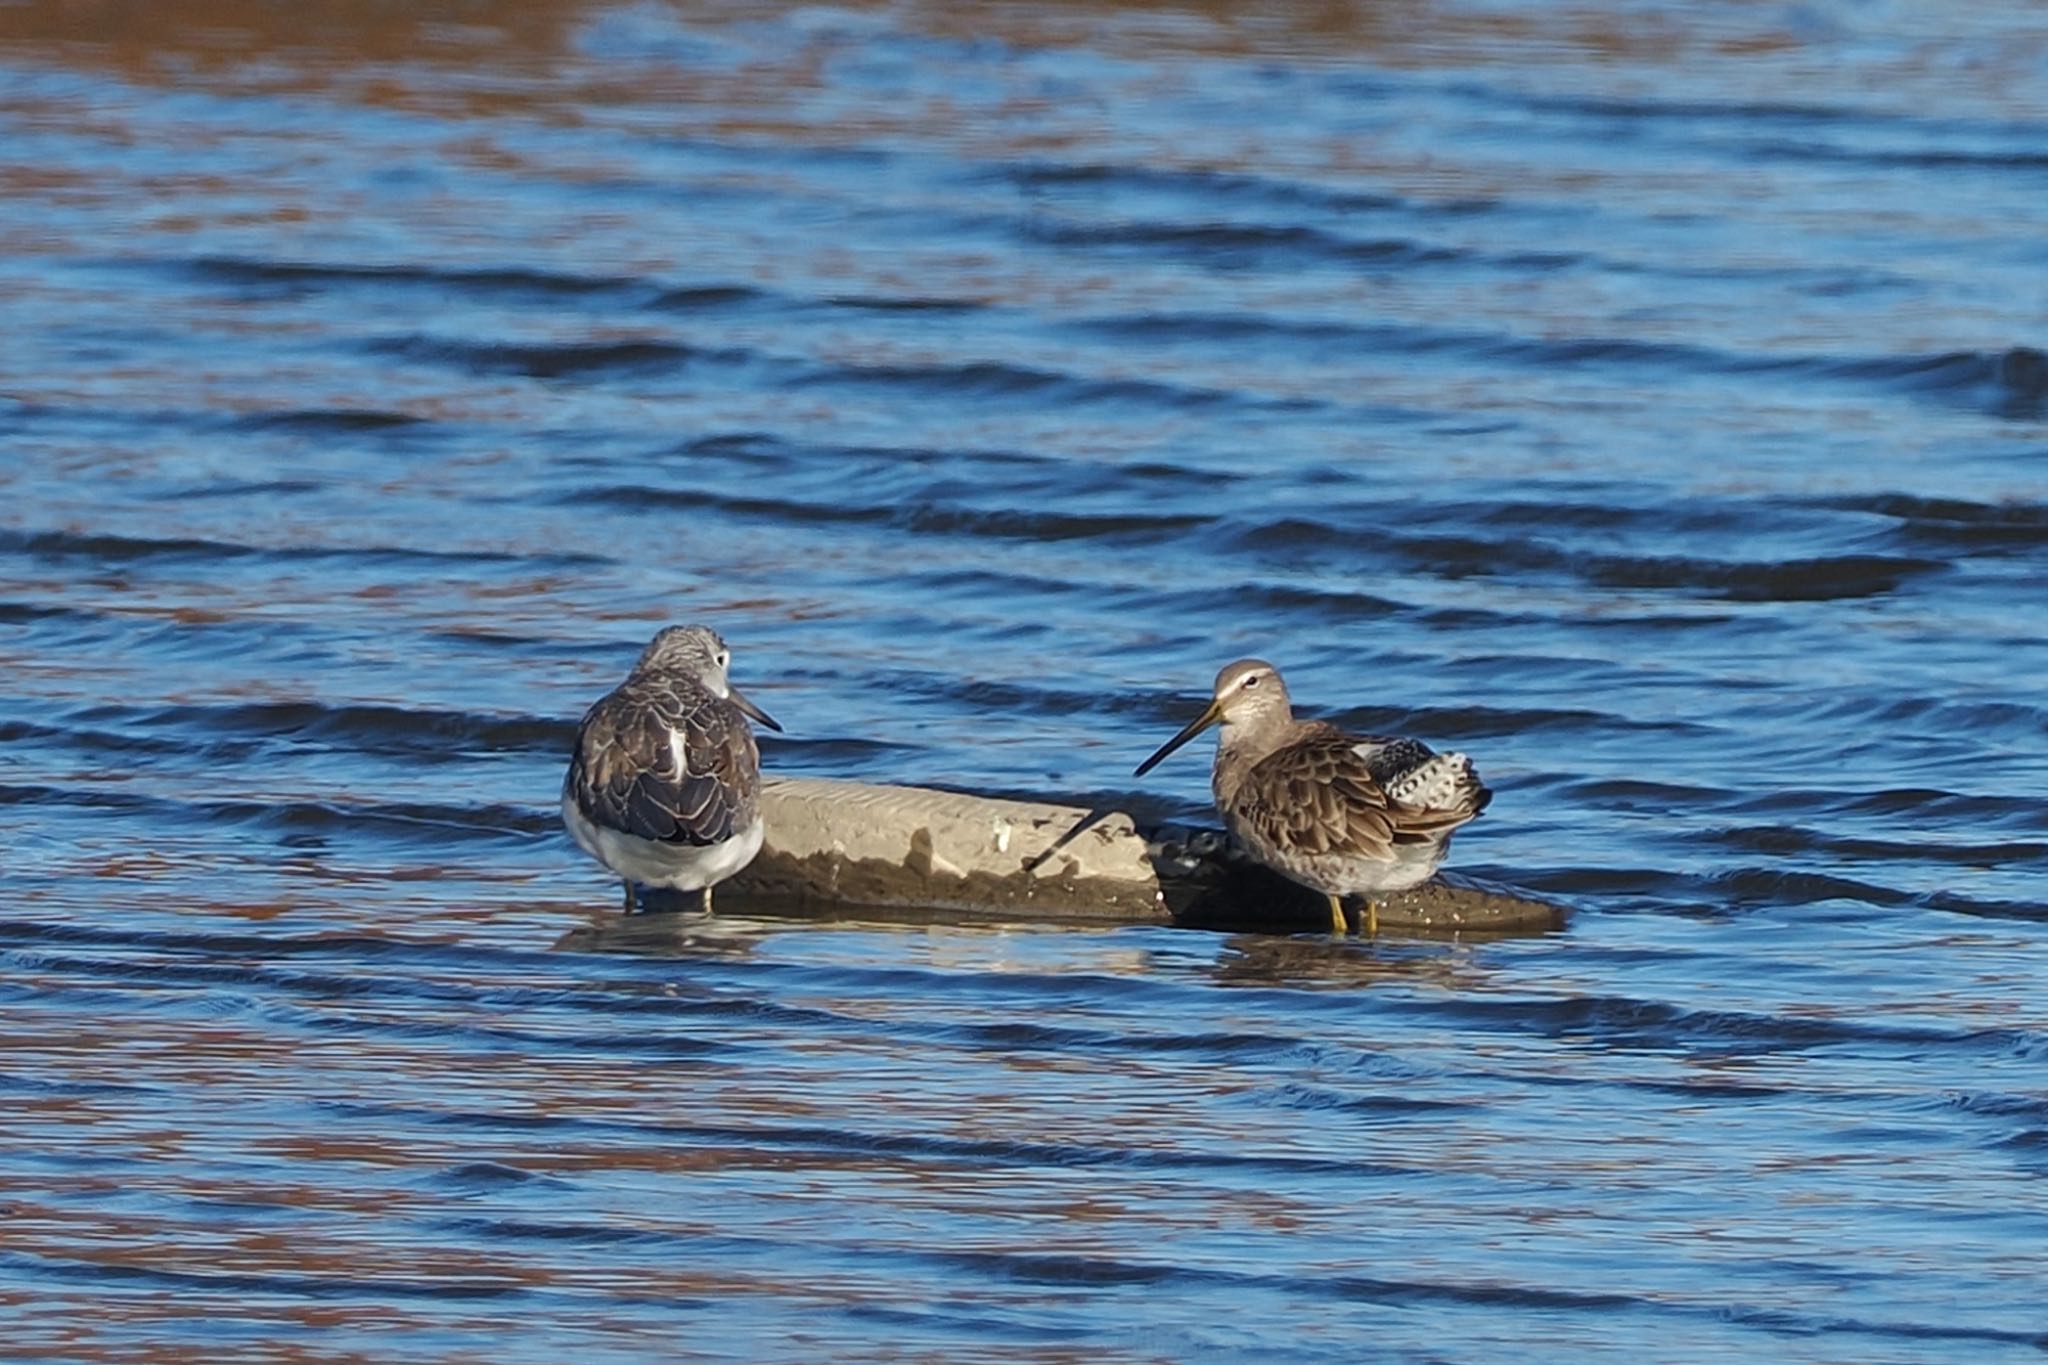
1341, 814
664, 786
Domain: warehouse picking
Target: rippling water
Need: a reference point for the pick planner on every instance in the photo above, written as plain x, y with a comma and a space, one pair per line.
1643, 401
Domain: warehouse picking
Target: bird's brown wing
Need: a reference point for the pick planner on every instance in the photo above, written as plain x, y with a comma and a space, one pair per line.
1328, 793
1317, 796
664, 764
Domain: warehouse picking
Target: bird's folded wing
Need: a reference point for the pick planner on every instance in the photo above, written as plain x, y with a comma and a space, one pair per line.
1328, 794
662, 773
1317, 796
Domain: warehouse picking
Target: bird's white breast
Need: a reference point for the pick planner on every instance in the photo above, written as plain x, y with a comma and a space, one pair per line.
649, 862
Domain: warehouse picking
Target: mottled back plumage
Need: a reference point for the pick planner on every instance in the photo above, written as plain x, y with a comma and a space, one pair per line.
1325, 792
662, 758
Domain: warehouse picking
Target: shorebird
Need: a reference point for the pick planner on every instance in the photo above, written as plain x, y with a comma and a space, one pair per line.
664, 786
1342, 814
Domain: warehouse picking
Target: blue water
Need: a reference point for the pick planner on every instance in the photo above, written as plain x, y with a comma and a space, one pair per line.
1645, 401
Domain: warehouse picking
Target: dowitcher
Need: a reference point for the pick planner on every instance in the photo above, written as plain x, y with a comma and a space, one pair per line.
1346, 815
664, 787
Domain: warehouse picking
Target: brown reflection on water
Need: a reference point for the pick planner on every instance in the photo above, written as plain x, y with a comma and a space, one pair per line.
1266, 960
179, 40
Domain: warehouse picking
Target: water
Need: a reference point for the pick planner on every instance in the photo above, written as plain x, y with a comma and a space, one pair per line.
1643, 401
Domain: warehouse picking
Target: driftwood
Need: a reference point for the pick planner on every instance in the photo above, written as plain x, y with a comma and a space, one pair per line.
838, 845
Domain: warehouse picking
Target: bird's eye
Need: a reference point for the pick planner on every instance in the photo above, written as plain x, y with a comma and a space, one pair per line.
1252, 681
723, 658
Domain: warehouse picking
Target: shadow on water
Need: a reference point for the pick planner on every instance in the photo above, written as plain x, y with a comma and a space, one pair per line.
1305, 959
668, 933
1242, 900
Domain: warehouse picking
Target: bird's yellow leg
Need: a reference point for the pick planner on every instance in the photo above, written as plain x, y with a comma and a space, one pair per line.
1372, 918
707, 900
1337, 923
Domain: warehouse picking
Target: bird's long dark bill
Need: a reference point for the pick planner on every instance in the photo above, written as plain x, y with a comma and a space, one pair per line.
732, 694
1194, 727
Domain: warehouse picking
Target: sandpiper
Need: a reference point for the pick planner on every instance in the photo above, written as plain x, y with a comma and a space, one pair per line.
664, 786
1341, 814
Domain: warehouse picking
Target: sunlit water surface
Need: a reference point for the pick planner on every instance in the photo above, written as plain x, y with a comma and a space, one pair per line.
1643, 402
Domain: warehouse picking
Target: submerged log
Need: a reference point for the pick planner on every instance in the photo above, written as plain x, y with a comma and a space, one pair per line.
833, 844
